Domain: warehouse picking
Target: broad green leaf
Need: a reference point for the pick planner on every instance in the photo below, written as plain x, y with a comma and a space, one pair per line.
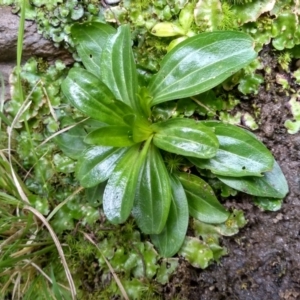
115, 136
196, 252
71, 142
96, 164
141, 128
118, 67
92, 124
130, 119
203, 204
90, 38
87, 93
185, 137
240, 153
121, 187
200, 63
153, 194
273, 184
171, 238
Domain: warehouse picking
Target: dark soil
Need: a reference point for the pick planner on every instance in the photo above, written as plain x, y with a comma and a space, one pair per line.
264, 258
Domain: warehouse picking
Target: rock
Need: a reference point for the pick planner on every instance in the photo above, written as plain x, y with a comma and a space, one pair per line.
33, 45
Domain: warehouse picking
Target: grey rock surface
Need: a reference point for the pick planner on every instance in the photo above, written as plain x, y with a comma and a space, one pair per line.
33, 45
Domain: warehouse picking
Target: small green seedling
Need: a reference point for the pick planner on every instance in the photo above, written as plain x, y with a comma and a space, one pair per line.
128, 149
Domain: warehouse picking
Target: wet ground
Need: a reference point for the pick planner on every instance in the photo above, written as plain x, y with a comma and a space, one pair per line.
264, 258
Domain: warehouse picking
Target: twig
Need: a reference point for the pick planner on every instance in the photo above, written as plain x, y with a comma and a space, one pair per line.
59, 249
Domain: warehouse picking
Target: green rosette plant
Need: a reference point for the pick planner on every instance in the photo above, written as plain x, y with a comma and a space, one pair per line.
127, 152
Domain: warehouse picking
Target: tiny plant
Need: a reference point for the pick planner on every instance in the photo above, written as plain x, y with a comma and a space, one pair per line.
128, 151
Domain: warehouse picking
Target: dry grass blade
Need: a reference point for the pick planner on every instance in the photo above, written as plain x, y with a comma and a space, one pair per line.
119, 283
12, 238
202, 105
43, 273
60, 205
8, 183
22, 109
49, 102
60, 131
59, 249
28, 173
16, 289
8, 282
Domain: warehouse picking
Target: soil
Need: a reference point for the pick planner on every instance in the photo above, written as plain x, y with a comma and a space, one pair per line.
264, 258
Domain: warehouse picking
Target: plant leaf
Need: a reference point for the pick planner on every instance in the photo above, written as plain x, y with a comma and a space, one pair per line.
153, 194
87, 93
185, 137
141, 127
96, 164
90, 38
145, 101
196, 252
171, 238
203, 204
233, 224
240, 153
115, 136
118, 68
167, 268
121, 187
141, 130
166, 29
200, 63
268, 204
71, 142
94, 195
273, 184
